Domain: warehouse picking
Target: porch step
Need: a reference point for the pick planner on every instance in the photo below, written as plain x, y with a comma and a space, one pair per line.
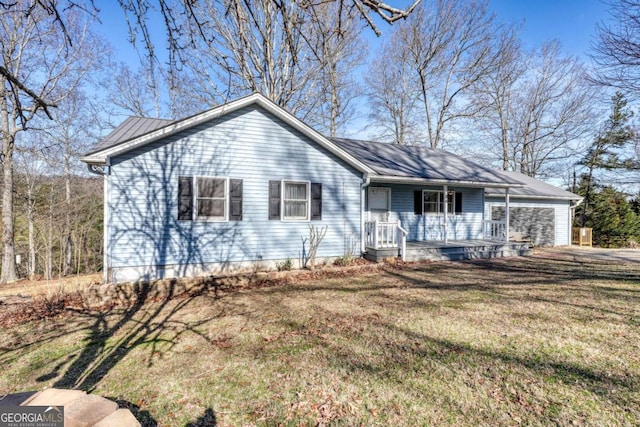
453, 251
458, 253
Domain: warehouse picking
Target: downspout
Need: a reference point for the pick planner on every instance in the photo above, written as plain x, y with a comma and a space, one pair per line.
366, 180
506, 214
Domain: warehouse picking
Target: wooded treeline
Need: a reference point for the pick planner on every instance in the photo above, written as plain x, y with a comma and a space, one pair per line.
447, 73
54, 236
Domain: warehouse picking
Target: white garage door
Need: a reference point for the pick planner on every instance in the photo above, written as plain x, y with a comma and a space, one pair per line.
537, 223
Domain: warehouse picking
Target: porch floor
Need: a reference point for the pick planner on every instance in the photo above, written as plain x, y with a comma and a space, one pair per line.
453, 250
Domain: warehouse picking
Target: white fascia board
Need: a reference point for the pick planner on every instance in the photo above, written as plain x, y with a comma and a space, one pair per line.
424, 181
101, 156
523, 196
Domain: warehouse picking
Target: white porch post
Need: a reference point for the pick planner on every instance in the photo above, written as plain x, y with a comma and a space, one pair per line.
506, 214
446, 212
362, 220
375, 234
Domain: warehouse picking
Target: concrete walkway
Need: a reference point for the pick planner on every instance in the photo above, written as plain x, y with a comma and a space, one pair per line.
80, 409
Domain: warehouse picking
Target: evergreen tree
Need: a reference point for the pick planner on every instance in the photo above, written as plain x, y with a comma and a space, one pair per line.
614, 222
604, 152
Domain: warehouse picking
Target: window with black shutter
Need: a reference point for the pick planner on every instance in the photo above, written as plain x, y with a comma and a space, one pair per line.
417, 202
185, 198
209, 198
235, 199
458, 203
274, 200
316, 201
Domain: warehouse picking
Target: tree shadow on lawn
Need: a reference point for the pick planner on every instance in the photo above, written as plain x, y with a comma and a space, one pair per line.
112, 335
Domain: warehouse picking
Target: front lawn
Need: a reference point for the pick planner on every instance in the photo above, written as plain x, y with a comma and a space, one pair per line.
548, 339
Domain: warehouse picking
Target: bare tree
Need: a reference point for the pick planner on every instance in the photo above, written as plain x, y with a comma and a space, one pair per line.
47, 75
616, 51
334, 40
537, 108
68, 135
494, 96
186, 24
393, 98
256, 46
130, 91
451, 46
32, 166
554, 111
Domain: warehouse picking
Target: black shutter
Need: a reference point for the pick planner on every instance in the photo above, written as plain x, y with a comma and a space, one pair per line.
185, 198
316, 201
418, 202
235, 198
274, 200
458, 204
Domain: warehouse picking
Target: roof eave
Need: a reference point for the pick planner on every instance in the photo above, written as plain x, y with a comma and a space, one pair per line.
426, 181
524, 196
101, 156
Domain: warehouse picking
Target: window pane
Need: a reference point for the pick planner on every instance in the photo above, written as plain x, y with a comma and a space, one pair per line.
431, 202
211, 208
209, 187
450, 197
295, 191
295, 209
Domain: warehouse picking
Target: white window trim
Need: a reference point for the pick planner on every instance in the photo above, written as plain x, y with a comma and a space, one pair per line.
226, 200
440, 212
386, 190
282, 201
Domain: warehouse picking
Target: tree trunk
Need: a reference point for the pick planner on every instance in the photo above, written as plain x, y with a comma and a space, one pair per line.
8, 248
67, 242
31, 267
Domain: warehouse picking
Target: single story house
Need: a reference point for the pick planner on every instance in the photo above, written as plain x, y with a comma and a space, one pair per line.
240, 185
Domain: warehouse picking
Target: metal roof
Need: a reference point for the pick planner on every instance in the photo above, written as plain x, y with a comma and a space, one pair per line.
130, 128
535, 188
420, 162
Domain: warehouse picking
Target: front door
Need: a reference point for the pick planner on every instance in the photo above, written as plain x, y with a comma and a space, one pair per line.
379, 203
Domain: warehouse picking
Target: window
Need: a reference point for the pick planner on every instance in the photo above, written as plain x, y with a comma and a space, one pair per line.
433, 202
295, 200
211, 198
208, 198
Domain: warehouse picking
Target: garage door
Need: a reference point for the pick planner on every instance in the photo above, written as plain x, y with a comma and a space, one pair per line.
537, 223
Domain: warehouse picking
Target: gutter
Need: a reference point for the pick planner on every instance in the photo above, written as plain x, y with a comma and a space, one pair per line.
440, 182
366, 180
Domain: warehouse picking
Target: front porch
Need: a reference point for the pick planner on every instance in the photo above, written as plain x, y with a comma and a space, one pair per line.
439, 250
385, 239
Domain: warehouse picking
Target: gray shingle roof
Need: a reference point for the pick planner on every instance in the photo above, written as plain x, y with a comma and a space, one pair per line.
417, 161
130, 128
535, 188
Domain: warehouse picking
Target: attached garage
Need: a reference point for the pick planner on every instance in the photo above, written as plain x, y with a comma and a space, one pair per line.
540, 211
537, 223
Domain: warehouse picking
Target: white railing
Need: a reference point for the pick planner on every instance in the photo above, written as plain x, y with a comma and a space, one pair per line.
385, 234
495, 230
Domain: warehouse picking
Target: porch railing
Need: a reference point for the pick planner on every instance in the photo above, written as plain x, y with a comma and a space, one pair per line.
495, 230
385, 234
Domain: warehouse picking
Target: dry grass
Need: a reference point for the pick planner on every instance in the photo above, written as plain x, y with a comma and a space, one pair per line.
551, 339
43, 287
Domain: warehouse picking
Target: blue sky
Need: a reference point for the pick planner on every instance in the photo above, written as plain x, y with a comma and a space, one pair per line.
572, 22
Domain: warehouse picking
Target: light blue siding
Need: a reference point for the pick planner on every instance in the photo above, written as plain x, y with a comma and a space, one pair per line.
249, 144
561, 207
467, 225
